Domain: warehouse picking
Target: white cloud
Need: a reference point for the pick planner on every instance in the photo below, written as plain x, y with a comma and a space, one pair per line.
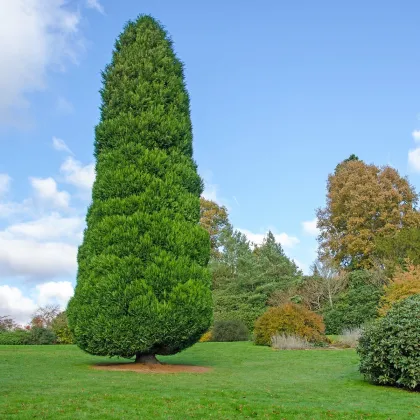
54, 293
4, 183
50, 227
77, 174
46, 190
414, 159
310, 228
33, 259
12, 208
416, 135
15, 304
210, 192
95, 4
285, 240
61, 145
64, 106
35, 36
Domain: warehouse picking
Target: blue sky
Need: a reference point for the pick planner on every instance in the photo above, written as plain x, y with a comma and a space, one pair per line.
281, 91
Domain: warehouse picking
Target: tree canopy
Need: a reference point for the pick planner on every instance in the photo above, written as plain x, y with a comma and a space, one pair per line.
364, 202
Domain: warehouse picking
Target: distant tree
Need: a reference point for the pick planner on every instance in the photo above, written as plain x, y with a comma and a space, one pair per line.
214, 219
364, 202
316, 290
45, 315
245, 277
7, 324
351, 158
143, 287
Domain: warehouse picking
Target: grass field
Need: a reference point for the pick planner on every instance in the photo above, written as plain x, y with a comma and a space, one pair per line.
57, 382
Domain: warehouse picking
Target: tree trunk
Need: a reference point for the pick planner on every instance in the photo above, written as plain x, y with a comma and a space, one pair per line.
147, 359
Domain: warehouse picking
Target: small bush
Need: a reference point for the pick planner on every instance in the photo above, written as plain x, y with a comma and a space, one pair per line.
232, 330
16, 337
350, 338
389, 348
206, 337
40, 335
289, 342
291, 319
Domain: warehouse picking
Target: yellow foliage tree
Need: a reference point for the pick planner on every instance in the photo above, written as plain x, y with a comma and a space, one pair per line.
364, 202
214, 219
404, 284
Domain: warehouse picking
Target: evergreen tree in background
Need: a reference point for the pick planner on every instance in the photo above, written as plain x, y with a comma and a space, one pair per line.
143, 287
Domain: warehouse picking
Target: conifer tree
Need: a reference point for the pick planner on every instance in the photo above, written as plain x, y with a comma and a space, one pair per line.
143, 288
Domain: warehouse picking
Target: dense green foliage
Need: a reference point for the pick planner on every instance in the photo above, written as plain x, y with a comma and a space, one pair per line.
289, 319
61, 329
244, 277
41, 335
389, 349
247, 381
16, 337
355, 306
36, 336
143, 285
230, 330
397, 250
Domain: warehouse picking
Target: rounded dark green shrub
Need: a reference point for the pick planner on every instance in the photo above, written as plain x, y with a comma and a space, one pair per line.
389, 348
230, 330
143, 286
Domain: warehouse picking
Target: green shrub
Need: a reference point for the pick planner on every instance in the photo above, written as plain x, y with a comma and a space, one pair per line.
230, 330
61, 329
41, 335
16, 337
354, 307
289, 319
389, 348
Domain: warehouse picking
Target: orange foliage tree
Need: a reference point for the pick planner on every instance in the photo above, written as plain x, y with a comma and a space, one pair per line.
363, 202
404, 284
214, 219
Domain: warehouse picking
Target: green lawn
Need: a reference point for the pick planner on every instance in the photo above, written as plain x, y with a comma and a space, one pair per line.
57, 382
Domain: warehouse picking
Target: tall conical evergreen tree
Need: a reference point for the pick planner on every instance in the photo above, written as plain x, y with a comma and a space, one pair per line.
143, 287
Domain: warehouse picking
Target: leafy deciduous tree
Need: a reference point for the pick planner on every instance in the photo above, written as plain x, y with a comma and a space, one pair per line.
214, 219
363, 202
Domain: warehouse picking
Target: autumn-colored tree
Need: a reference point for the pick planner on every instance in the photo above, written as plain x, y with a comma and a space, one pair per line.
363, 202
44, 316
214, 219
405, 283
